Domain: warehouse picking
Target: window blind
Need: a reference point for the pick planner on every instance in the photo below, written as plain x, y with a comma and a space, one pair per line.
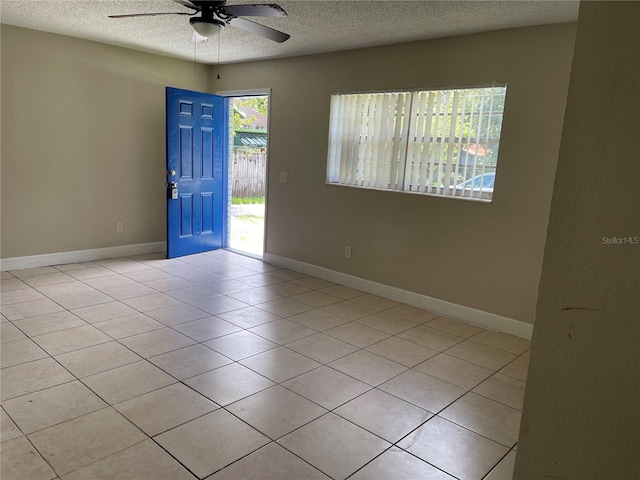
367, 139
438, 142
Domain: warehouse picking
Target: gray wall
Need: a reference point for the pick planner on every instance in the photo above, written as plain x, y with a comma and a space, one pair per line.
83, 142
581, 417
484, 256
83, 147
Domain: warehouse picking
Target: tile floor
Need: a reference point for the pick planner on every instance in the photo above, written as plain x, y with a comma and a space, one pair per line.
220, 366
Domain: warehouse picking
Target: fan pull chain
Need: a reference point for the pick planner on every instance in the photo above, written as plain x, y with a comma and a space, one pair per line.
219, 35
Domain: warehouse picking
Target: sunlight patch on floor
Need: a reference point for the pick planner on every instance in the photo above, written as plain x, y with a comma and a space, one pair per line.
247, 228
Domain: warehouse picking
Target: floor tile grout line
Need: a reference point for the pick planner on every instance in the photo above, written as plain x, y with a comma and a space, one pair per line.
489, 398
106, 405
46, 314
210, 476
437, 414
122, 450
402, 450
46, 460
394, 443
471, 338
511, 449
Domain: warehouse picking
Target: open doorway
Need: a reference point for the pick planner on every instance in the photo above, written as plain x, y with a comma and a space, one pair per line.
247, 170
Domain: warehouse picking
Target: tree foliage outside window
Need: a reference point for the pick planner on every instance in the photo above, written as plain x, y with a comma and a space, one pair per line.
261, 104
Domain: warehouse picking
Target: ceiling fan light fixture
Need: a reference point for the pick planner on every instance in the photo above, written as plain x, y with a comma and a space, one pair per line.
205, 27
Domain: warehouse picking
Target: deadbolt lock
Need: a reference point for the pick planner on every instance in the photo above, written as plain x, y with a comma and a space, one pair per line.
173, 191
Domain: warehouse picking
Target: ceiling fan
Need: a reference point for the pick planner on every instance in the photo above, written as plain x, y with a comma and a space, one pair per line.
215, 15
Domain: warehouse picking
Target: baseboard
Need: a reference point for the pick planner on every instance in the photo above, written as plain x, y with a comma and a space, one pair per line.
435, 305
60, 258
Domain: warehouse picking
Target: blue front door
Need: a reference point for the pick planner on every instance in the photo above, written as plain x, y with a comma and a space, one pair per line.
196, 173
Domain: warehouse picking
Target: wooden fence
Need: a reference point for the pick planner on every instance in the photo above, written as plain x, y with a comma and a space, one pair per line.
248, 173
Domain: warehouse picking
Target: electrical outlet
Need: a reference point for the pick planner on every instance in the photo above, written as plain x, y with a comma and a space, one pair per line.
347, 252
119, 227
284, 177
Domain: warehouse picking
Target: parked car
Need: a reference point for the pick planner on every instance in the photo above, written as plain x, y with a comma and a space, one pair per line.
483, 183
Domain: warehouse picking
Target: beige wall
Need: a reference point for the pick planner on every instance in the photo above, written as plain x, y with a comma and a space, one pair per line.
83, 142
83, 147
581, 417
484, 256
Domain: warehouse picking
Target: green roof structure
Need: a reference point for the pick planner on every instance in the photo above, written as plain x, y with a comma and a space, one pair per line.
252, 139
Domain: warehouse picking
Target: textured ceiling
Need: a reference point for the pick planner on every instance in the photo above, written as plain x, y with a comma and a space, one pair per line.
315, 26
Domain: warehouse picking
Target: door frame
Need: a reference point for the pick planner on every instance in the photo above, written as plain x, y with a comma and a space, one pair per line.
228, 95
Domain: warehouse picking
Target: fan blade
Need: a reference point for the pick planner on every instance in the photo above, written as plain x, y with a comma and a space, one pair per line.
188, 4
149, 14
257, 29
265, 10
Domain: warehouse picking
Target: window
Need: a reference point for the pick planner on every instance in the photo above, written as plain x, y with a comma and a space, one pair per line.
436, 142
